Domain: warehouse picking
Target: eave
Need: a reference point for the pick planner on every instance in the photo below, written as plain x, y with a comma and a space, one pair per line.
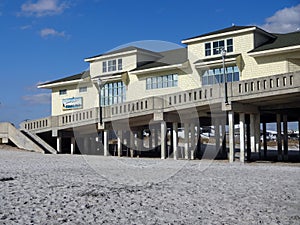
275, 51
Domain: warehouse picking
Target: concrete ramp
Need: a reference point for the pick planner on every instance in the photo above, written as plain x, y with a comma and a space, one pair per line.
39, 141
8, 132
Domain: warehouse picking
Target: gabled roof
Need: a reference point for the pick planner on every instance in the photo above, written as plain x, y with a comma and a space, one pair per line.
170, 57
121, 50
75, 77
227, 29
281, 41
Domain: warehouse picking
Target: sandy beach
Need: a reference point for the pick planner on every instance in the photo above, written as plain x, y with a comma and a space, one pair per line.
65, 189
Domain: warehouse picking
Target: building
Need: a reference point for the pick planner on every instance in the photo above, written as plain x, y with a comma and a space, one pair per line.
142, 91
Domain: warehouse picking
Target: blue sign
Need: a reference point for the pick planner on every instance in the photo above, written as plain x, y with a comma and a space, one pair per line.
72, 103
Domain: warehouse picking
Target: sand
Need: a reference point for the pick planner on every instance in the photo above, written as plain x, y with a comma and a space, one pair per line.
65, 189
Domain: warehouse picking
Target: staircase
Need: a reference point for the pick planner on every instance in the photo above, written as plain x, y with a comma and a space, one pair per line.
23, 139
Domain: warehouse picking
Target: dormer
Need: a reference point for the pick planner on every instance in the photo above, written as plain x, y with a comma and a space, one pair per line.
111, 65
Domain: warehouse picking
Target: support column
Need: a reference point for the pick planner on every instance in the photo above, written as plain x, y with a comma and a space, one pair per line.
58, 144
248, 140
192, 141
175, 140
242, 137
285, 138
105, 142
186, 140
224, 149
163, 139
198, 139
140, 141
252, 133
231, 136
265, 139
153, 139
132, 144
72, 145
279, 141
217, 135
257, 134
120, 137
150, 140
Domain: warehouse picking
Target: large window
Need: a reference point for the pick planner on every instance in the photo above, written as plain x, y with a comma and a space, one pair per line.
111, 65
165, 81
216, 45
113, 93
215, 76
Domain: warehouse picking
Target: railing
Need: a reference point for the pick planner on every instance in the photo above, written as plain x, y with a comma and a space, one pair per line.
166, 102
78, 117
264, 84
38, 124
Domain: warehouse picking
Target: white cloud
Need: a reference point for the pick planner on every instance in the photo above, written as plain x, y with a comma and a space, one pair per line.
43, 8
284, 21
42, 98
47, 32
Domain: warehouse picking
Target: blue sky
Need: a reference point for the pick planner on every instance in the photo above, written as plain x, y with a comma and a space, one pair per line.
43, 40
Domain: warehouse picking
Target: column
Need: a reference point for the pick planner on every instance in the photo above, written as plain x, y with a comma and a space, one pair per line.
150, 143
285, 138
163, 139
242, 137
72, 145
252, 133
217, 134
140, 141
265, 139
119, 132
58, 144
257, 134
248, 140
175, 140
198, 139
231, 136
279, 141
186, 140
193, 146
132, 144
105, 142
224, 150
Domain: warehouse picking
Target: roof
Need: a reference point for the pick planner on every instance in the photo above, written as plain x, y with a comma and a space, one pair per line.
228, 29
126, 49
170, 57
78, 76
216, 58
280, 41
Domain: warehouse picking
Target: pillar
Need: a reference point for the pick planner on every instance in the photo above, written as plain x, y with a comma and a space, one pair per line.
163, 139
175, 140
257, 134
242, 137
279, 141
248, 136
186, 140
217, 134
140, 141
58, 144
105, 142
72, 145
285, 138
120, 137
198, 139
231, 136
224, 150
252, 133
265, 139
132, 144
192, 141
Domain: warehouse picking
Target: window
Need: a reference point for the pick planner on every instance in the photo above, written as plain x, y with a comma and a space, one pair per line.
63, 92
207, 49
217, 45
112, 65
165, 81
82, 89
120, 64
227, 44
104, 68
113, 93
216, 76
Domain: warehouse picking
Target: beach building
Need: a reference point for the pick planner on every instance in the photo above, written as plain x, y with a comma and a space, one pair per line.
132, 101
